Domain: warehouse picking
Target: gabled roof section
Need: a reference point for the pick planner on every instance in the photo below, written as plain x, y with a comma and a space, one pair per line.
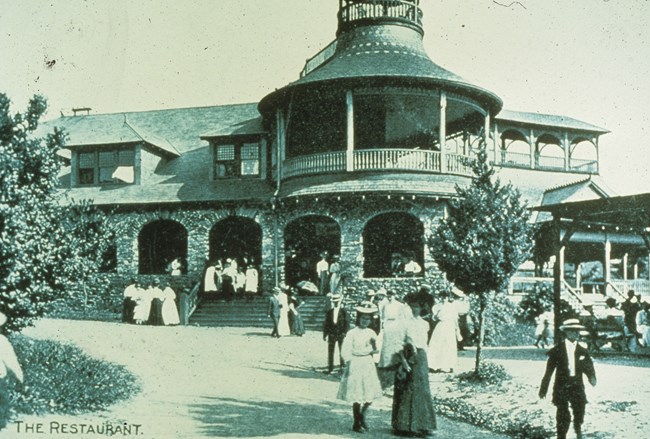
238, 128
582, 190
548, 120
153, 140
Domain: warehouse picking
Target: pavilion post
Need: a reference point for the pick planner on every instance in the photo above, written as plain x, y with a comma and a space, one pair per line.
557, 273
608, 265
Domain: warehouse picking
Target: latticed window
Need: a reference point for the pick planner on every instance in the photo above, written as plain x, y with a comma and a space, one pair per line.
237, 160
107, 166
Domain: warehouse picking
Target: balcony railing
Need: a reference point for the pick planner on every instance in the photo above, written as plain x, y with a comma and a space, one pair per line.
549, 162
522, 160
393, 10
388, 159
581, 165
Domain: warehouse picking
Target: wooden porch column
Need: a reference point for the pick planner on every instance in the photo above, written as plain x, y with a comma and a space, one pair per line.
442, 133
566, 148
497, 145
349, 156
625, 256
635, 269
579, 276
561, 256
281, 139
533, 150
486, 134
608, 263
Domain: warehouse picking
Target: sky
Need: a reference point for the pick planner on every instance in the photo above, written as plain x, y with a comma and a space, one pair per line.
586, 59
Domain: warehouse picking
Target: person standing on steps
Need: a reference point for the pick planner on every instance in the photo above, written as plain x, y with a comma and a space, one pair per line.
360, 383
335, 327
570, 361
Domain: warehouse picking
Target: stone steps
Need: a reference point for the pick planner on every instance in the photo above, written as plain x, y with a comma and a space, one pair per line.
254, 313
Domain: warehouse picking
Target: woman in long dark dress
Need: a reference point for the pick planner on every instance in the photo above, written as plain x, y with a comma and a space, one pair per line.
413, 412
297, 325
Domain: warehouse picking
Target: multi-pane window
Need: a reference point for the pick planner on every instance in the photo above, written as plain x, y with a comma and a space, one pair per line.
106, 166
237, 160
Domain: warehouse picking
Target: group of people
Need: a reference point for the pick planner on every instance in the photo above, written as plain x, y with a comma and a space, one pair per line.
328, 273
154, 304
636, 315
231, 278
284, 311
404, 265
396, 341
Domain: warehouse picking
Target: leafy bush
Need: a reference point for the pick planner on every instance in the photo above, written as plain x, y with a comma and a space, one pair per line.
488, 374
536, 302
527, 425
500, 317
61, 379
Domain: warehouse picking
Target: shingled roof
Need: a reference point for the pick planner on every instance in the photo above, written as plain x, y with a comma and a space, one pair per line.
176, 133
548, 120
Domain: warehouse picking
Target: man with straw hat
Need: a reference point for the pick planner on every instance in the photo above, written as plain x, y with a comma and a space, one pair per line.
569, 360
8, 362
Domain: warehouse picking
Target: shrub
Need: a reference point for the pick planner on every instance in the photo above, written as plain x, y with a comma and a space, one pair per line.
536, 302
60, 378
488, 374
500, 318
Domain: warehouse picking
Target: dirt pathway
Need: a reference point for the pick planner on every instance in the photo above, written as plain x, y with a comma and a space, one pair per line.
215, 382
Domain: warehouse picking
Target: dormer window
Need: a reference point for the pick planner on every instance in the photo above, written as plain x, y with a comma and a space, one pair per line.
106, 166
237, 160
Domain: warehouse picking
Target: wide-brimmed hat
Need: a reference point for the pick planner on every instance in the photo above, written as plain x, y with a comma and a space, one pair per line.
3, 319
366, 307
277, 290
380, 292
370, 293
457, 292
572, 324
336, 297
426, 287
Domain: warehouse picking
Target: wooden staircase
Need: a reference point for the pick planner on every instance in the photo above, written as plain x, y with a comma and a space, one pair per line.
254, 314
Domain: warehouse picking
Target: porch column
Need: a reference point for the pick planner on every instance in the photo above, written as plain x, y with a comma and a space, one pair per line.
281, 139
608, 263
566, 148
486, 135
635, 269
561, 262
349, 156
579, 276
442, 133
496, 144
625, 256
533, 150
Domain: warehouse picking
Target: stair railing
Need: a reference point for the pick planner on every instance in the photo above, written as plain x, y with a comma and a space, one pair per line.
188, 303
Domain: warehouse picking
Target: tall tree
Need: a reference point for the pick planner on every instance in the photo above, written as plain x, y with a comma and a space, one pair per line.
484, 239
44, 243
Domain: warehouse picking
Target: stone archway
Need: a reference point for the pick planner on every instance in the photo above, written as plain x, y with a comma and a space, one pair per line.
160, 242
388, 240
236, 237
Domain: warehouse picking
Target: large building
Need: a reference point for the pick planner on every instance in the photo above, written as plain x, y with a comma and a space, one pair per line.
358, 157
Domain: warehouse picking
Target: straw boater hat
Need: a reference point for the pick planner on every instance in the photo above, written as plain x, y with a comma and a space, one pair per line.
366, 307
380, 292
572, 324
370, 293
457, 292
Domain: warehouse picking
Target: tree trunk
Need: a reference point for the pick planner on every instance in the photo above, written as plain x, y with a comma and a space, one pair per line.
481, 331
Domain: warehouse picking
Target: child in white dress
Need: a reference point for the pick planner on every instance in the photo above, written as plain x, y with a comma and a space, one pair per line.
360, 383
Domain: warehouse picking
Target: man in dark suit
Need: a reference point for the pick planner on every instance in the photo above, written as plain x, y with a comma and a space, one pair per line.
335, 327
569, 360
274, 311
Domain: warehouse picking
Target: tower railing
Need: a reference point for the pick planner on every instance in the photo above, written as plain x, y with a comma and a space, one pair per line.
404, 11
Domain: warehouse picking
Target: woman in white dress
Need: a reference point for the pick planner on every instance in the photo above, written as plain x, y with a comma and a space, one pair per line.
443, 350
643, 323
360, 384
142, 307
391, 315
283, 323
169, 309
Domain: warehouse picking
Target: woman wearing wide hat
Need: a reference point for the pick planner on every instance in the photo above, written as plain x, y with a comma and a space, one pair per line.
360, 383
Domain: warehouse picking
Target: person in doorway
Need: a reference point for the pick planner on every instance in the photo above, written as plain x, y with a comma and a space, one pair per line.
228, 277
570, 361
335, 274
8, 363
176, 266
252, 282
360, 384
322, 273
335, 327
274, 311
412, 268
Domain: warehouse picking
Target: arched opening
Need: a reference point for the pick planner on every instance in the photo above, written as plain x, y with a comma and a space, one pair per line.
550, 154
159, 243
236, 238
390, 240
515, 149
584, 156
305, 239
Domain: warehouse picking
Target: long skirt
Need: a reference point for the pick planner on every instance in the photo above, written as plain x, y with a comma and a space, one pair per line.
359, 382
155, 313
283, 323
412, 402
297, 325
443, 350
